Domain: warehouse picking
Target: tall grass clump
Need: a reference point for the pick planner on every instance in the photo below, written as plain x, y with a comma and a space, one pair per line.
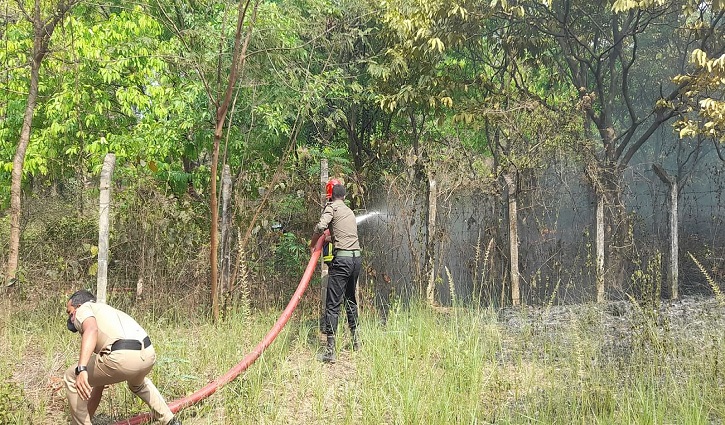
557, 371
428, 367
481, 276
710, 281
34, 345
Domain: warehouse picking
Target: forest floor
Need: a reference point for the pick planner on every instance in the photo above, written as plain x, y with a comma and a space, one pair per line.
618, 320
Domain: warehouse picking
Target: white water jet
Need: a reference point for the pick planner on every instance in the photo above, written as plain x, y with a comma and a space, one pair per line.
359, 219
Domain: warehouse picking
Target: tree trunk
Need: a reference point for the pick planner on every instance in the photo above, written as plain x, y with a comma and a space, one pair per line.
430, 240
17, 173
225, 231
42, 31
213, 237
674, 260
104, 207
511, 182
238, 59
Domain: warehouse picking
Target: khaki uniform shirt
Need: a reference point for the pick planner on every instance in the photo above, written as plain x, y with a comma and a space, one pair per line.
340, 219
112, 324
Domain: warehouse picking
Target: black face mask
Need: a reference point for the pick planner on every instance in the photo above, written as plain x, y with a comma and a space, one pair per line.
70, 324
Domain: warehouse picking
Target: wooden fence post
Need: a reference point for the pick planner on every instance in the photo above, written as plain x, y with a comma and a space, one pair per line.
109, 162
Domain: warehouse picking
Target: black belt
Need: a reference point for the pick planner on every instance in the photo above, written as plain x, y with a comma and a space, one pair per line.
131, 344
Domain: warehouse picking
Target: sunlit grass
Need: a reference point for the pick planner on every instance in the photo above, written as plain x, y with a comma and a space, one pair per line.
432, 366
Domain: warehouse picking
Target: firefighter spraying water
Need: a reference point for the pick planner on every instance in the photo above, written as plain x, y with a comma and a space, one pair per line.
344, 265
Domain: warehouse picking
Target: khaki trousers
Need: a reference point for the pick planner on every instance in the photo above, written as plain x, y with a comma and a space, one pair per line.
130, 366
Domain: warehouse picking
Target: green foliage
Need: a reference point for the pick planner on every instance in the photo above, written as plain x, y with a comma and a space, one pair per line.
710, 281
416, 71
178, 181
142, 81
338, 161
647, 282
705, 91
291, 253
120, 97
688, 6
156, 236
109, 91
13, 404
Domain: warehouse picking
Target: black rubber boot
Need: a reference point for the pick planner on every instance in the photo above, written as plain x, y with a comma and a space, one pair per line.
329, 355
355, 340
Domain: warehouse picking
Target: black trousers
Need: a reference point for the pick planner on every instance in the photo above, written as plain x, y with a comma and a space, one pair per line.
341, 284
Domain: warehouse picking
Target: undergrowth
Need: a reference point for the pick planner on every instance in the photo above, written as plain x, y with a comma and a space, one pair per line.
13, 407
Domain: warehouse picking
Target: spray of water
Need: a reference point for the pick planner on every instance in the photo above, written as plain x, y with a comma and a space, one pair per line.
359, 219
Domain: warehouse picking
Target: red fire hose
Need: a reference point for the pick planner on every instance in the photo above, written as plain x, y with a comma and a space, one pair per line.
211, 388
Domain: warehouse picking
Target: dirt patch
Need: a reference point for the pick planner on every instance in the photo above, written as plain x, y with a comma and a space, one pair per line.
312, 391
41, 379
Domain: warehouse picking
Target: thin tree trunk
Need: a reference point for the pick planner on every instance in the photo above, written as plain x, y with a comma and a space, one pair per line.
213, 243
17, 173
42, 31
238, 59
104, 207
225, 230
513, 238
430, 240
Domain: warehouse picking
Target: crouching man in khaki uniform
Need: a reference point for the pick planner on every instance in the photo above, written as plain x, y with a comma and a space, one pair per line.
114, 348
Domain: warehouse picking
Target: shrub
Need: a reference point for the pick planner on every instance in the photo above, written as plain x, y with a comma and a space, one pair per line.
12, 402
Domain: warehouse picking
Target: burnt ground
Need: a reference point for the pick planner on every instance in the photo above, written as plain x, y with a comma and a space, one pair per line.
622, 324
